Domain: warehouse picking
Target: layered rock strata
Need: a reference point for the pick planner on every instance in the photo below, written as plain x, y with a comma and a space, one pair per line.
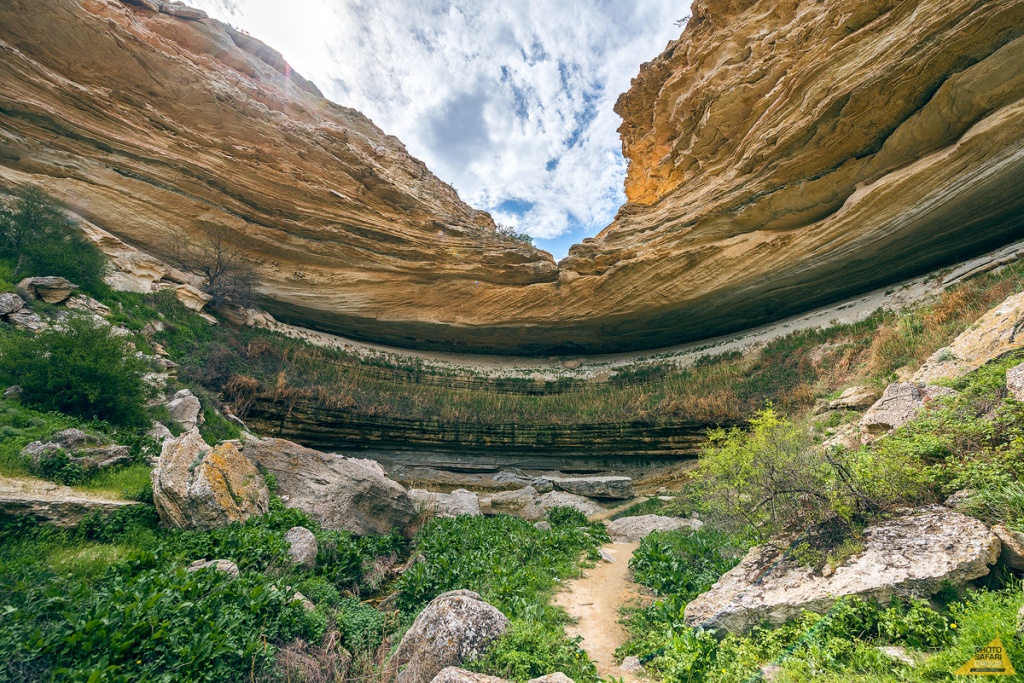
781, 154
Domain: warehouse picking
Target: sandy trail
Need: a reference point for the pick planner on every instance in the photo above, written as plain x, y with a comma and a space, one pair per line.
595, 601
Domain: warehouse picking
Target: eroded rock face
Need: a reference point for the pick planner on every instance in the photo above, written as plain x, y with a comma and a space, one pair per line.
899, 404
781, 154
198, 487
540, 507
338, 492
636, 529
53, 503
916, 556
620, 488
454, 504
52, 290
453, 628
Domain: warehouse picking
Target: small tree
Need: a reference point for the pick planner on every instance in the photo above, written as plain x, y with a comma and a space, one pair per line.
220, 260
40, 240
79, 368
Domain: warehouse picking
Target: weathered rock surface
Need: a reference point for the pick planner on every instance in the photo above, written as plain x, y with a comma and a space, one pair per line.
186, 410
48, 502
27, 320
302, 546
916, 556
52, 290
454, 504
10, 303
81, 449
1015, 382
995, 334
86, 304
855, 398
620, 488
453, 628
780, 155
196, 487
338, 492
540, 507
1011, 554
509, 502
557, 677
453, 674
635, 529
899, 404
226, 566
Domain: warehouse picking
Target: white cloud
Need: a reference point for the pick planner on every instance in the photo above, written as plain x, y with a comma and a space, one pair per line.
509, 102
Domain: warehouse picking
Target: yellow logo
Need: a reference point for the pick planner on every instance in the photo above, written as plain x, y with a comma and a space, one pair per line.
990, 661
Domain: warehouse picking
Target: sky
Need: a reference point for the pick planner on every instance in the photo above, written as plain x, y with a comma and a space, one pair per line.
509, 102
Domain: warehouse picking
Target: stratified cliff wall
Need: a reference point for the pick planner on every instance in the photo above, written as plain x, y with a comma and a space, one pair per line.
782, 153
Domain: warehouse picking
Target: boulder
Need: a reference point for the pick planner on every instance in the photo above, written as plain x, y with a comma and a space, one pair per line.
226, 566
635, 529
917, 555
53, 503
1011, 554
455, 627
302, 546
960, 498
994, 335
542, 526
1015, 382
539, 508
453, 674
193, 298
182, 11
27, 320
196, 487
10, 303
13, 392
509, 502
74, 439
338, 492
855, 398
557, 677
899, 404
52, 290
87, 304
159, 432
454, 504
186, 410
845, 436
620, 488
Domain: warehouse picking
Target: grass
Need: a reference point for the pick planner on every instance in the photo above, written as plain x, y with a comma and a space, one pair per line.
129, 483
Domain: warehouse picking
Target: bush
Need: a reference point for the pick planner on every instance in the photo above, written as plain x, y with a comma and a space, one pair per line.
39, 240
684, 563
77, 368
532, 649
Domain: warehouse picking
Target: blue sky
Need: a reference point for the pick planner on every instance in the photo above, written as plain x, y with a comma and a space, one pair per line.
509, 102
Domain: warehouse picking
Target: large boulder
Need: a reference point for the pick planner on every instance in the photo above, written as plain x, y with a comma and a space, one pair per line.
52, 290
900, 403
636, 529
1011, 554
53, 503
453, 628
994, 335
457, 503
338, 492
620, 488
540, 507
10, 303
509, 502
186, 410
196, 487
302, 546
855, 398
917, 555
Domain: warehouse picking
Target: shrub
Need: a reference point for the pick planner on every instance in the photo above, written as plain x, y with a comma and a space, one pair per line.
37, 237
684, 563
77, 368
532, 649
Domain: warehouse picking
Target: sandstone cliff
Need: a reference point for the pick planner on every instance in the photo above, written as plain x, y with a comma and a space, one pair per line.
782, 153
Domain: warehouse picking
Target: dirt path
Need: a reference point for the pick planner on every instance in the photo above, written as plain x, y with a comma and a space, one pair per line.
595, 601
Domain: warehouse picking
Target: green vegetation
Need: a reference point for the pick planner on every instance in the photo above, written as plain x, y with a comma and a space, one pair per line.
473, 553
510, 233
77, 368
36, 239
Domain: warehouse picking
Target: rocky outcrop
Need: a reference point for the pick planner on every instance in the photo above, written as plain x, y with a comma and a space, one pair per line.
455, 504
781, 154
855, 398
52, 290
10, 303
636, 529
198, 487
509, 502
224, 566
899, 404
620, 488
549, 501
338, 492
912, 556
53, 503
186, 410
81, 449
453, 628
995, 334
